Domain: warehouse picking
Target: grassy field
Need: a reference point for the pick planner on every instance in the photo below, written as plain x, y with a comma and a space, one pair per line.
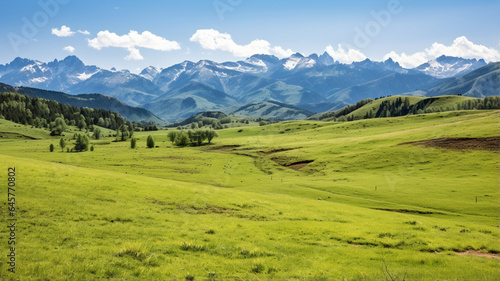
302, 200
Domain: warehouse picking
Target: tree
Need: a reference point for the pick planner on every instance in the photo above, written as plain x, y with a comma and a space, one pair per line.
182, 139
210, 134
172, 135
51, 147
150, 142
62, 144
133, 143
82, 143
58, 126
97, 133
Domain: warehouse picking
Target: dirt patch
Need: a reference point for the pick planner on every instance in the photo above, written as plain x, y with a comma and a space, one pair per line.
489, 143
479, 254
299, 165
275, 151
224, 147
405, 211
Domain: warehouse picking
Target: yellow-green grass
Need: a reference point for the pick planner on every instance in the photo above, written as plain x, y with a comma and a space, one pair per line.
238, 212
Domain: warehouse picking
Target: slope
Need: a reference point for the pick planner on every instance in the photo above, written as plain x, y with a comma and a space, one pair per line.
190, 99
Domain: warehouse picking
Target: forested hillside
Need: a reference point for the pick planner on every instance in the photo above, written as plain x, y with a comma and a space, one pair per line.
55, 116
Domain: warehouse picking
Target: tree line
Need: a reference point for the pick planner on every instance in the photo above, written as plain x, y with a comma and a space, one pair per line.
193, 137
55, 116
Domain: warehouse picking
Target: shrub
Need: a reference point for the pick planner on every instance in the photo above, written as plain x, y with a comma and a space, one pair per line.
133, 143
51, 147
150, 142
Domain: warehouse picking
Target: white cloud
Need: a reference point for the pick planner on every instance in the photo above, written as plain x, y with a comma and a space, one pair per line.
461, 47
343, 56
132, 41
84, 32
69, 49
212, 39
64, 31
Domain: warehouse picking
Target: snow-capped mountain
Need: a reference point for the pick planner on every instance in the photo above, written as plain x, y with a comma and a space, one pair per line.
150, 72
55, 75
445, 67
298, 80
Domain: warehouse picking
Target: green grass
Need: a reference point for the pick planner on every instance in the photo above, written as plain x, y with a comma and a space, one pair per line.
239, 213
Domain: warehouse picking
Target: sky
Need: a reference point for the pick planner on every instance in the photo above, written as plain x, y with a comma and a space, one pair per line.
132, 35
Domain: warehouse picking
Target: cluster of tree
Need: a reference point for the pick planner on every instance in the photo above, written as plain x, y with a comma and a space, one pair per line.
125, 132
53, 115
194, 137
82, 143
150, 128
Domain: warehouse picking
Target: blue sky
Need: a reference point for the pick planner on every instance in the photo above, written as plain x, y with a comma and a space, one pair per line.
170, 32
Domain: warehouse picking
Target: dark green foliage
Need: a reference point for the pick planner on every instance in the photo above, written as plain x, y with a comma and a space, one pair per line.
92, 148
150, 142
195, 137
133, 143
41, 113
57, 127
51, 147
172, 135
182, 138
97, 133
82, 143
62, 144
210, 135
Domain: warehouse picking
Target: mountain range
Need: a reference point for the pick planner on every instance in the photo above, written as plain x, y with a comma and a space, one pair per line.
313, 84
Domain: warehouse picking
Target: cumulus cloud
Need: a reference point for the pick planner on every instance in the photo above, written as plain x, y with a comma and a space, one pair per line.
212, 39
461, 47
84, 32
345, 56
64, 31
69, 49
132, 42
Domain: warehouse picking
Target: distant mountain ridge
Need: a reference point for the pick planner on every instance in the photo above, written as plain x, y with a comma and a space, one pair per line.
311, 82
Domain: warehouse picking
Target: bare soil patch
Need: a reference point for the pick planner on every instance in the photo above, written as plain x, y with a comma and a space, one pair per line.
275, 151
479, 254
405, 211
299, 165
489, 143
224, 147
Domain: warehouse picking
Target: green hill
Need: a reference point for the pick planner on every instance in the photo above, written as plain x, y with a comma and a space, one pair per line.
405, 105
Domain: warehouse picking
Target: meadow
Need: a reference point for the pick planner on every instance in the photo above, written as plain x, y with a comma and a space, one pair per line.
298, 200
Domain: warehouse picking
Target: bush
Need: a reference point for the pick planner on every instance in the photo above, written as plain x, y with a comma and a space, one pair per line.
150, 142
182, 139
51, 147
133, 143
